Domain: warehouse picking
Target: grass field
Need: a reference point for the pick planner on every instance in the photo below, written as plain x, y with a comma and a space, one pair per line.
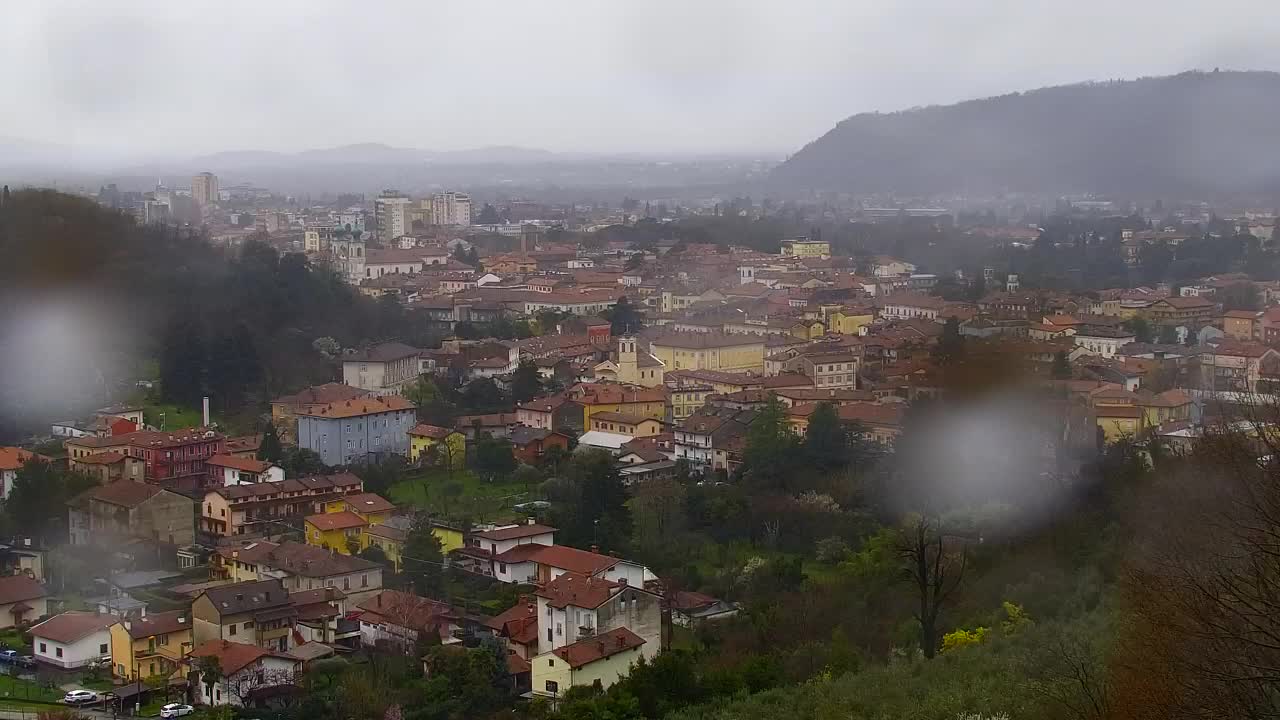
463, 495
14, 689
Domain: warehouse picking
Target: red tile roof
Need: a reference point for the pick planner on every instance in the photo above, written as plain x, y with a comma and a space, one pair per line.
232, 656
324, 522
125, 493
368, 502
602, 646
359, 407
71, 626
12, 458
560, 556
17, 588
517, 531
238, 463
578, 590
431, 431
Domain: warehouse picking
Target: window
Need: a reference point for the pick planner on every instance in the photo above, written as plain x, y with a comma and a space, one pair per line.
364, 580
552, 686
346, 583
232, 629
45, 649
559, 629
57, 652
548, 635
103, 649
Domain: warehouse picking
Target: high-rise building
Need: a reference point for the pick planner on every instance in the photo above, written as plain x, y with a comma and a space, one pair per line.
391, 212
451, 208
204, 188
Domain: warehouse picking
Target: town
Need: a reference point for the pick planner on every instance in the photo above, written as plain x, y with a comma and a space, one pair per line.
576, 449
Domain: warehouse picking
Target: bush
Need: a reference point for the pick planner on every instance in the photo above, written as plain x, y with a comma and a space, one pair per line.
831, 550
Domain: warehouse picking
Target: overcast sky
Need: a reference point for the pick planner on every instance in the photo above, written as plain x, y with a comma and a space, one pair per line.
187, 78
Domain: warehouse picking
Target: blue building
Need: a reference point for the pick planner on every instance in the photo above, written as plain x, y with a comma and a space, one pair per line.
359, 430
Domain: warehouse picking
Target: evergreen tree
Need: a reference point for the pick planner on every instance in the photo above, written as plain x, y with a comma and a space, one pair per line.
270, 449
1061, 368
526, 383
824, 441
423, 559
624, 317
950, 347
182, 361
770, 455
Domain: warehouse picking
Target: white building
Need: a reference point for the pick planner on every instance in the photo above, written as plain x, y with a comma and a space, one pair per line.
232, 470
73, 639
450, 208
391, 213
1102, 341
204, 188
246, 671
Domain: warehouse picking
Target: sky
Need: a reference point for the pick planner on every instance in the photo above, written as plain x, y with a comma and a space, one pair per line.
178, 79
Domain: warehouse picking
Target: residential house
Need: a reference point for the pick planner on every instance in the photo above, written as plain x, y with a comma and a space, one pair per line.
829, 370
1239, 366
597, 661
107, 467
396, 619
11, 461
630, 425
244, 446
517, 628
1268, 326
709, 351
382, 369
1101, 340
446, 446
284, 410
574, 607
22, 599
530, 444
232, 470
705, 439
256, 612
628, 399
249, 673
1240, 324
555, 412
688, 399
885, 266
130, 510
360, 430
904, 306
322, 618
338, 531
151, 645
540, 564
497, 425
72, 639
300, 566
241, 509
175, 460
689, 609
1182, 311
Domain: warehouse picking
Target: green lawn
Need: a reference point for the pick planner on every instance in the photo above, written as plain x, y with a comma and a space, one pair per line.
175, 417
12, 688
473, 497
13, 639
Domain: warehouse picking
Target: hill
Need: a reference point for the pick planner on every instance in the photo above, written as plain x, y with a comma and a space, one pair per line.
1190, 133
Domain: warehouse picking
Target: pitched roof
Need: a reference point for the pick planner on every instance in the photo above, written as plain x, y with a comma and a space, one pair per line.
232, 656
624, 418
159, 623
110, 457
514, 532
322, 395
369, 502
247, 596
125, 493
324, 522
431, 431
12, 458
390, 532
599, 647
238, 463
381, 352
406, 610
18, 588
72, 625
703, 341
358, 407
560, 556
310, 561
577, 590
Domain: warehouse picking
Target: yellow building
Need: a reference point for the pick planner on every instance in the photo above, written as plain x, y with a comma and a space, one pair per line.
807, 330
603, 659
848, 321
806, 248
710, 351
342, 525
688, 399
629, 365
632, 425
626, 399
452, 444
150, 646
1118, 421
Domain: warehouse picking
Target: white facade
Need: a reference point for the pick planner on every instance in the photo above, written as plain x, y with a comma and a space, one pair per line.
450, 208
1107, 347
232, 476
268, 671
392, 216
87, 649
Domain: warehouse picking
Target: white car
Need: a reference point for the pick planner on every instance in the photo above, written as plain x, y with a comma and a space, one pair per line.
80, 697
173, 710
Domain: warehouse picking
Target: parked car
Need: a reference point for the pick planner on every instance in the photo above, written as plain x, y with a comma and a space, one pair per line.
9, 656
80, 697
27, 661
173, 710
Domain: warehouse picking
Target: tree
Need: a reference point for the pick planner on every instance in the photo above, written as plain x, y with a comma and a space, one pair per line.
493, 456
210, 669
1061, 367
182, 360
301, 462
37, 502
1240, 296
769, 459
422, 559
526, 476
482, 395
591, 507
466, 330
825, 442
935, 564
488, 215
526, 383
659, 515
624, 317
1169, 335
373, 553
1140, 328
950, 347
270, 449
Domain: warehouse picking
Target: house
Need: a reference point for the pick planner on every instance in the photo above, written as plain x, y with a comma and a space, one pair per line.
624, 424
709, 351
233, 470
628, 399
574, 607
322, 618
448, 447
704, 438
1240, 324
904, 306
254, 612
597, 661
22, 599
130, 510
108, 467
359, 430
382, 369
1102, 340
829, 370
151, 645
397, 618
175, 460
240, 509
806, 248
495, 424
540, 564
530, 444
22, 556
517, 628
284, 410
1239, 366
11, 460
691, 608
249, 673
244, 446
72, 639
300, 566
885, 266
555, 412
1181, 311
339, 531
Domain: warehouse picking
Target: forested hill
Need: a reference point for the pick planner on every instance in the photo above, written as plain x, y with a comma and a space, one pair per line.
1196, 133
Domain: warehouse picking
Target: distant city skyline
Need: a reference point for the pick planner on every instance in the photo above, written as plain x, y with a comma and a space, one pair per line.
152, 80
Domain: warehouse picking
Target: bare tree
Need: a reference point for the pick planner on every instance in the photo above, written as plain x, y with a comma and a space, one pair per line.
934, 563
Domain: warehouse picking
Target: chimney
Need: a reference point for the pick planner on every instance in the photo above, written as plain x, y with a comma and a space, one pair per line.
182, 620
205, 404
595, 549
377, 600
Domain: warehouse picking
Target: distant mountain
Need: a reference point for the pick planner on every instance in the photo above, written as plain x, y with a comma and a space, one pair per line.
1194, 133
373, 154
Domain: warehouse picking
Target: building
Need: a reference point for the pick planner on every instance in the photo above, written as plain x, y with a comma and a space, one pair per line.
709, 351
829, 370
108, 467
1239, 366
1181, 310
358, 431
204, 188
345, 520
397, 619
249, 672
556, 412
450, 208
381, 369
72, 639
348, 256
232, 470
22, 599
175, 460
1240, 324
806, 248
284, 410
1102, 340
446, 446
299, 566
626, 399
595, 661
149, 646
630, 425
391, 214
125, 510
630, 366
906, 306
11, 461
529, 445
241, 509
256, 613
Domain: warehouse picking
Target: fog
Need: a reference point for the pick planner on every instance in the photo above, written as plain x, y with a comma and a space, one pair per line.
140, 81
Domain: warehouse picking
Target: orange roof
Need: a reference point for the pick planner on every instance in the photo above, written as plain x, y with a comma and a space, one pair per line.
12, 458
358, 407
602, 646
238, 463
369, 502
232, 656
431, 431
324, 522
577, 590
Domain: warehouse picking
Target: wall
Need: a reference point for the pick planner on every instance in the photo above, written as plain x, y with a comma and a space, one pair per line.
641, 614
76, 654
39, 608
607, 671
